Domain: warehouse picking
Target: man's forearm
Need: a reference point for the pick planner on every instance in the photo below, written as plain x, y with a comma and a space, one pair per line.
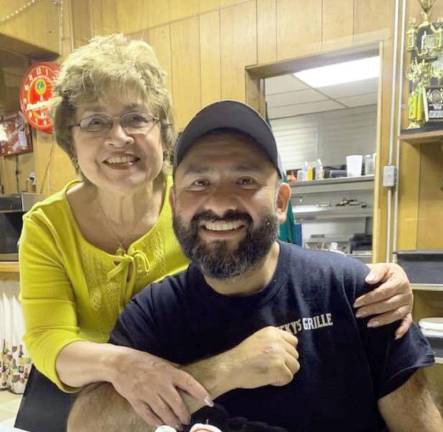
411, 407
100, 408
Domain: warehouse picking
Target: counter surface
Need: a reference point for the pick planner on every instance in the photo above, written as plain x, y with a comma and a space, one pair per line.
9, 267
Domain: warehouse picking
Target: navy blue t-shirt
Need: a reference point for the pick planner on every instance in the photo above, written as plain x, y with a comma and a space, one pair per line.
344, 366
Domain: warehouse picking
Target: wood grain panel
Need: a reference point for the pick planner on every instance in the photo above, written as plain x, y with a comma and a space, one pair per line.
430, 211
209, 5
226, 3
81, 22
159, 12
266, 31
238, 47
132, 15
210, 57
298, 27
8, 166
104, 15
337, 19
408, 194
37, 25
160, 39
185, 49
373, 15
183, 8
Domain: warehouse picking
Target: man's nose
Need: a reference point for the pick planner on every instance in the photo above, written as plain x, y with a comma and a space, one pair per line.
221, 199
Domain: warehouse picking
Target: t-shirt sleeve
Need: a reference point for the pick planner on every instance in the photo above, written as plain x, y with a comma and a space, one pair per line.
392, 362
47, 299
136, 327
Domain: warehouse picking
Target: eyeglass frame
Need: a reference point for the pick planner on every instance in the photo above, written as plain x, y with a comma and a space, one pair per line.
111, 122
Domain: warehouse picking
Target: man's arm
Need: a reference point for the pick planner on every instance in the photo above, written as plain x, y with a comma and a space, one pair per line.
410, 408
268, 357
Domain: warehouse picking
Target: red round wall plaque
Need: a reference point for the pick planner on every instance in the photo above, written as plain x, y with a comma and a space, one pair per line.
35, 92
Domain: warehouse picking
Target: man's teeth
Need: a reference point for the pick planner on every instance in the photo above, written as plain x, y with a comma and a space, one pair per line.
222, 226
121, 159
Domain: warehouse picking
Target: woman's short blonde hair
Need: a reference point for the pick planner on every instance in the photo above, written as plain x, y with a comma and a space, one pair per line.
110, 65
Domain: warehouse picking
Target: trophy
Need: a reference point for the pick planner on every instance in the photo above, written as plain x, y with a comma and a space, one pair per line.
425, 43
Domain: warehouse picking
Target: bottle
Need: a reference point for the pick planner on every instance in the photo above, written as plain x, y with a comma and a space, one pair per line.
318, 170
309, 172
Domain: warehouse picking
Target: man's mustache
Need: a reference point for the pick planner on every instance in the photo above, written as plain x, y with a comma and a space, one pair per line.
229, 216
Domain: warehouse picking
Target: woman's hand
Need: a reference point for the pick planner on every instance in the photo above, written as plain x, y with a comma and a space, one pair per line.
151, 385
391, 301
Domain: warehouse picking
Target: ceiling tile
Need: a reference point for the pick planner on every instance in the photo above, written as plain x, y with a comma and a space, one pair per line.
360, 100
294, 98
283, 84
294, 110
351, 89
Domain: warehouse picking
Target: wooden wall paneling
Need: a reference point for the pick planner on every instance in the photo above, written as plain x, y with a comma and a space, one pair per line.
104, 17
408, 194
209, 5
37, 25
373, 15
226, 3
160, 39
210, 57
430, 210
185, 49
380, 198
8, 166
180, 9
266, 31
81, 22
337, 19
159, 12
132, 15
238, 47
299, 27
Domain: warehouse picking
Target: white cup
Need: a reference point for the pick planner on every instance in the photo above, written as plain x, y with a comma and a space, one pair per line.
354, 164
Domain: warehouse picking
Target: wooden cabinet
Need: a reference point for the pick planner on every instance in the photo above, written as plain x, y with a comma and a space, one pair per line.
420, 220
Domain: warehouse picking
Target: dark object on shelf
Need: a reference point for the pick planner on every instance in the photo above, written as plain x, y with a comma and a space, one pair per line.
437, 345
422, 266
360, 242
428, 127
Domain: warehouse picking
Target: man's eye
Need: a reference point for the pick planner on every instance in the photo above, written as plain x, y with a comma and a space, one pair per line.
200, 183
246, 181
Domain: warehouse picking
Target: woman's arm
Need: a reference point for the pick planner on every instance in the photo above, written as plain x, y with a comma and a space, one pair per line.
150, 384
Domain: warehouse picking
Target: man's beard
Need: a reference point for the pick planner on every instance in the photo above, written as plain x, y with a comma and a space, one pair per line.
216, 260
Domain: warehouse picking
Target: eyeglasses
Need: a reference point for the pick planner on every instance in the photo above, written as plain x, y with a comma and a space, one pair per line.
131, 122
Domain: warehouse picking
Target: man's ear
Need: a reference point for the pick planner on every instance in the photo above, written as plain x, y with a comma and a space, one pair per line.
283, 197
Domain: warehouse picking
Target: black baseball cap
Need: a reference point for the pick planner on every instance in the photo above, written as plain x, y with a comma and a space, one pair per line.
234, 115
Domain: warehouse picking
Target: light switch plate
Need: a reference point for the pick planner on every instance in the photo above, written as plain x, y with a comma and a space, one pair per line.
389, 176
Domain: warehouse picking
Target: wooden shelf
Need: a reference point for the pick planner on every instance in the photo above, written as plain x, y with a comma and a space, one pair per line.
341, 184
427, 287
9, 267
429, 137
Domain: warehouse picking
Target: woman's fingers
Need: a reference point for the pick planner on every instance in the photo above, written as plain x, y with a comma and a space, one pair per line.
175, 402
163, 411
146, 414
389, 305
388, 317
187, 383
404, 326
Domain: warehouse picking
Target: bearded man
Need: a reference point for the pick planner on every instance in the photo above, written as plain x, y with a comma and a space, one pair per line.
267, 327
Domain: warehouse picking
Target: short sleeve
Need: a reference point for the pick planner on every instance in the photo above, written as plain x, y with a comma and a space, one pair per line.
392, 361
136, 326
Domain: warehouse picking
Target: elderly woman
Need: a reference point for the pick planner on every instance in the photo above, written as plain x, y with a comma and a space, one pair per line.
86, 250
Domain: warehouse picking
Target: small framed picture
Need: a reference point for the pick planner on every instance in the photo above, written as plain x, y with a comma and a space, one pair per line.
15, 135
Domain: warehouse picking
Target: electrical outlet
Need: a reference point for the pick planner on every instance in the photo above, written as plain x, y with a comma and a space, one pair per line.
389, 176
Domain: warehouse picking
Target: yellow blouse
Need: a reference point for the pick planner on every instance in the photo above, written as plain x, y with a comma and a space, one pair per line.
71, 290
